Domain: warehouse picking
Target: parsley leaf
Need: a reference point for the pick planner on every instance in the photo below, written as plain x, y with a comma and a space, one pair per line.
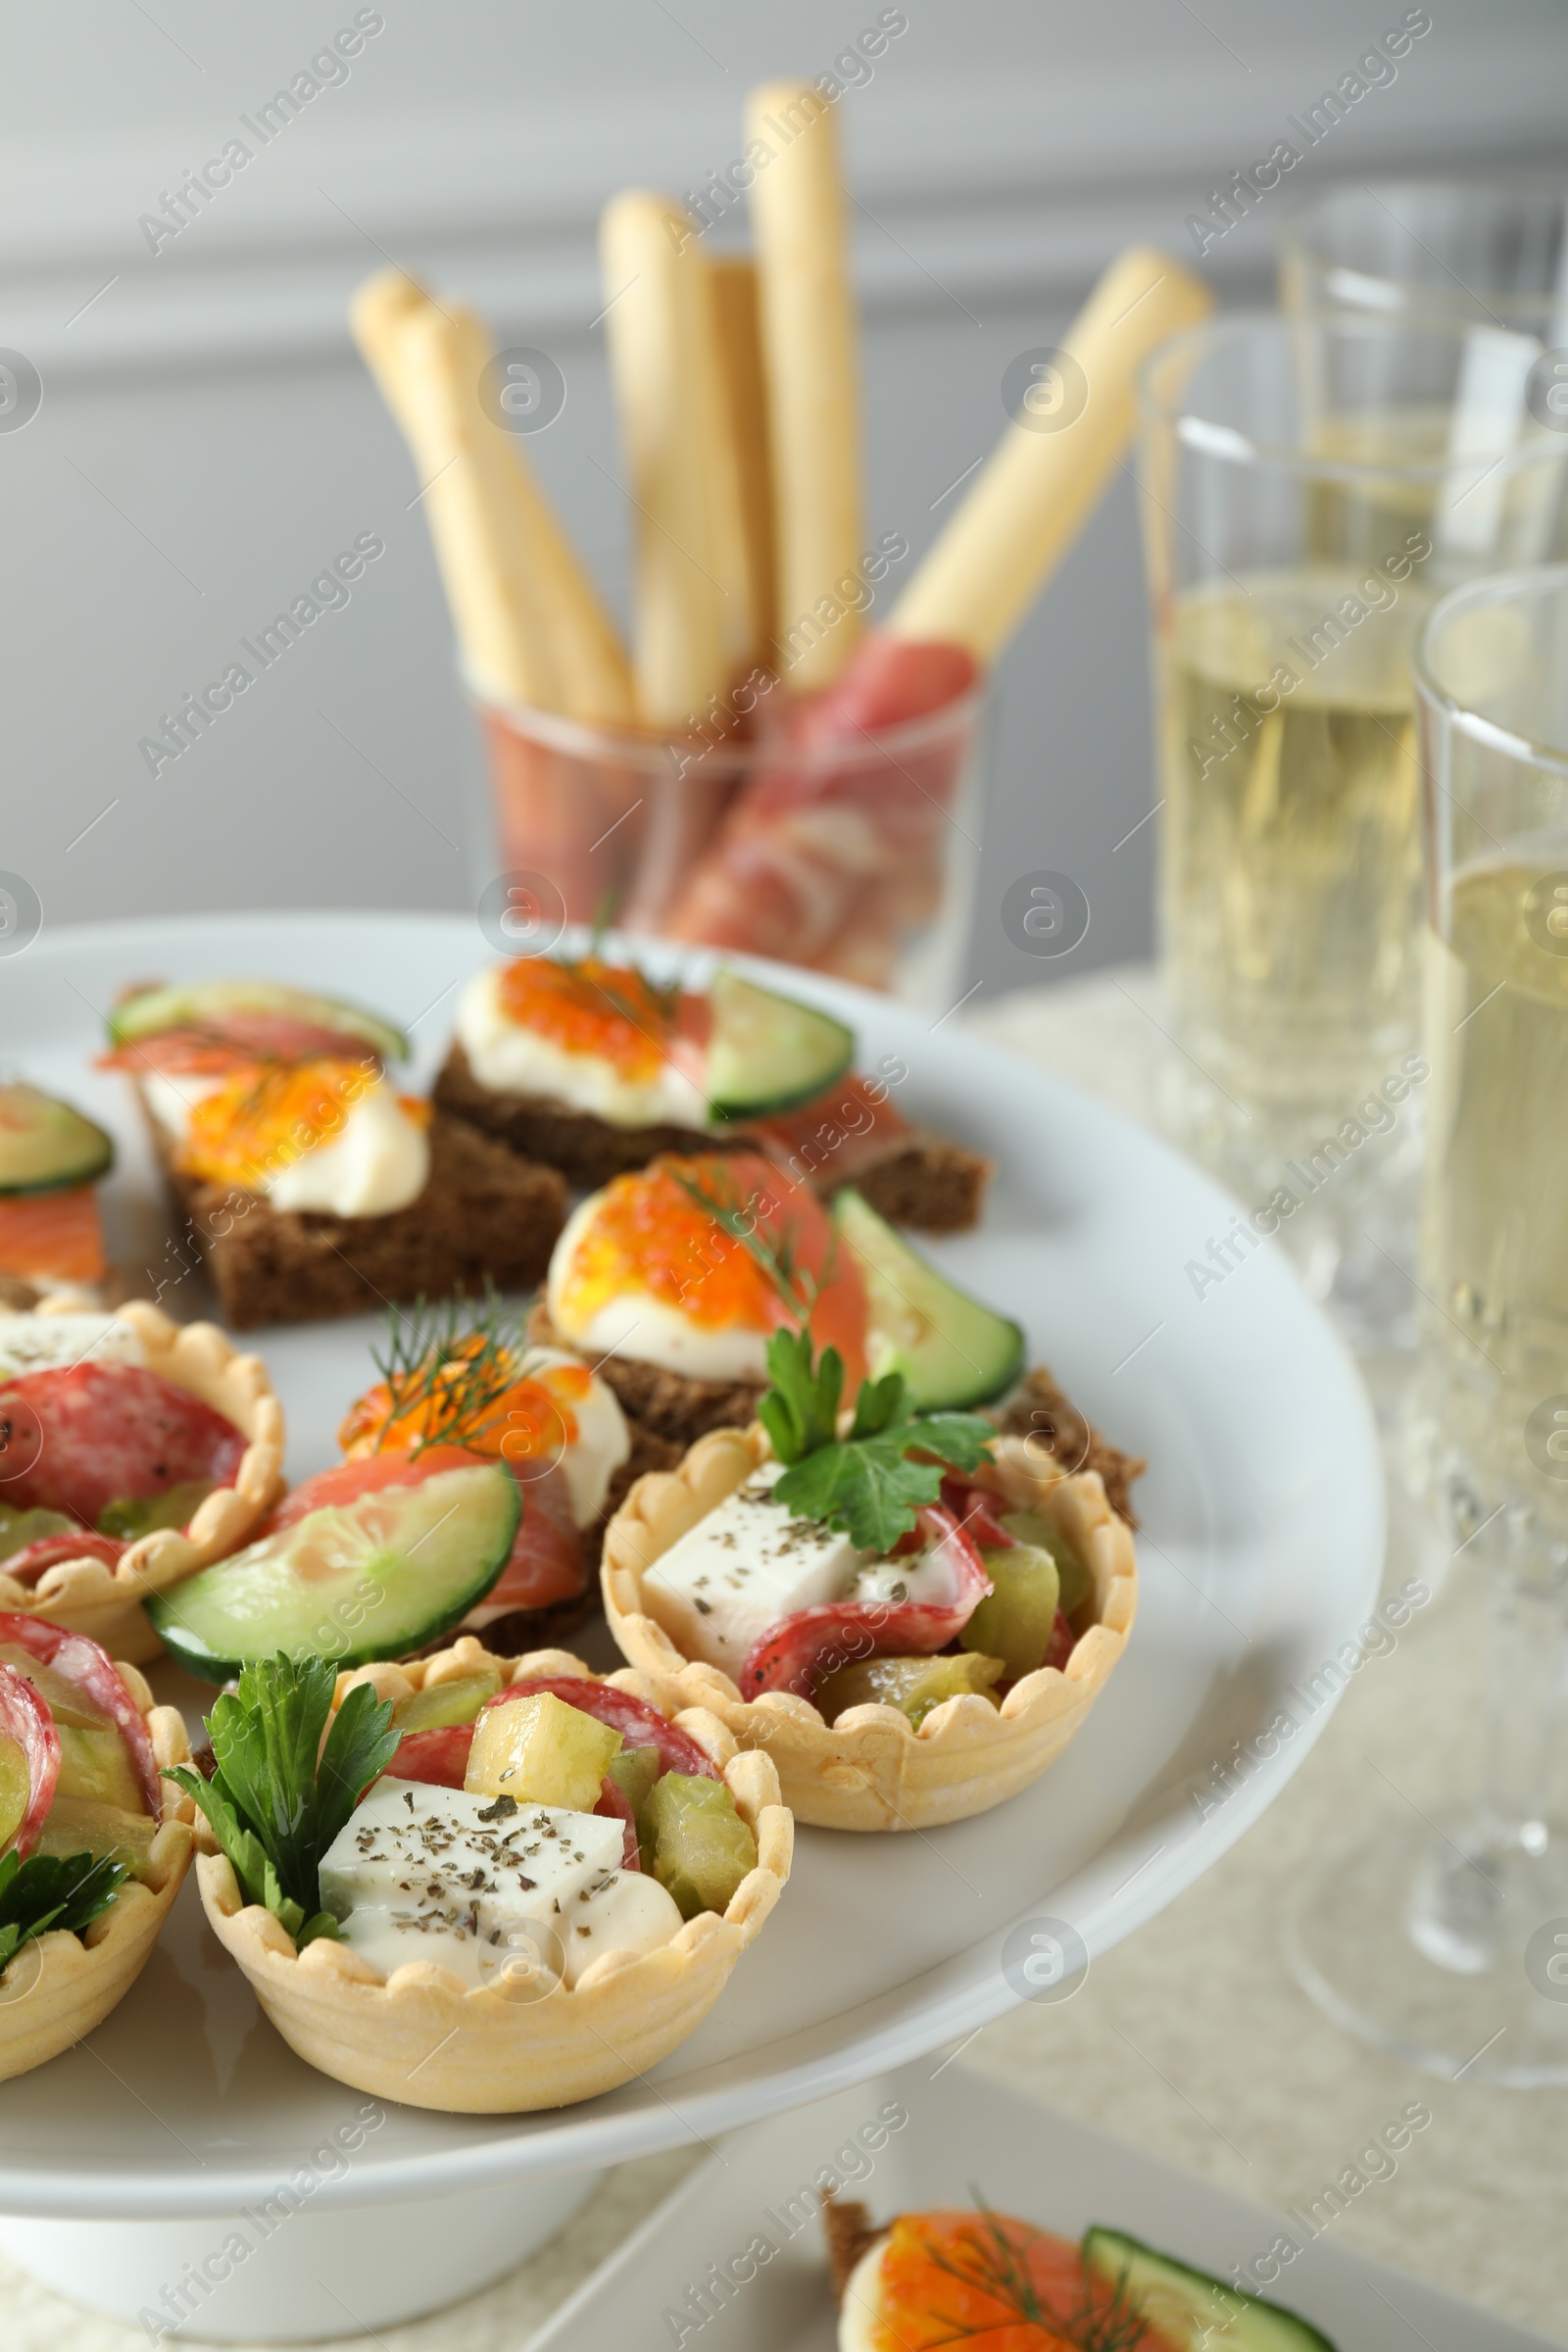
867, 1484
52, 1892
278, 1797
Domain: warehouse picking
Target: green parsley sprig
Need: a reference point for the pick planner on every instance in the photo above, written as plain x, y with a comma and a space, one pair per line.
868, 1483
52, 1892
280, 1796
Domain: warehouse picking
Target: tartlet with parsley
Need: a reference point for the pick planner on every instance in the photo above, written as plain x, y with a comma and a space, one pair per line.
94, 1841
911, 1615
386, 1889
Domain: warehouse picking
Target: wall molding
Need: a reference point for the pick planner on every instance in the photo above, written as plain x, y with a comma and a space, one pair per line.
1016, 192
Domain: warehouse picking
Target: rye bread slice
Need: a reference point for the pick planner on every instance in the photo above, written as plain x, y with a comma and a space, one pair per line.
486, 1212
1037, 1411
909, 1174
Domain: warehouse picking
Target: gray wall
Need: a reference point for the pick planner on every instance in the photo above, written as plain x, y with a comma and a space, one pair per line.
208, 441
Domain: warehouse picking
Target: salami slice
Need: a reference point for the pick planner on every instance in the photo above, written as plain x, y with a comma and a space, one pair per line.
25, 1719
27, 1566
97, 1677
795, 1653
439, 1756
77, 1439
640, 1724
612, 1806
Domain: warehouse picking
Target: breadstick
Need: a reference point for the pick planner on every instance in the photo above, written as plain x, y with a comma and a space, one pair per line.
808, 347
529, 621
664, 361
743, 387
1037, 487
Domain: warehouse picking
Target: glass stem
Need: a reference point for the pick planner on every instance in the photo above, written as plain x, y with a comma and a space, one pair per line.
1524, 1704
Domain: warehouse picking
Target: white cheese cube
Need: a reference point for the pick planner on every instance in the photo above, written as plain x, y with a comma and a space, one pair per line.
463, 1879
737, 1572
31, 1343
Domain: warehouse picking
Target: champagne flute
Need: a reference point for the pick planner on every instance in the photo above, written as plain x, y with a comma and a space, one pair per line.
1452, 1948
1311, 487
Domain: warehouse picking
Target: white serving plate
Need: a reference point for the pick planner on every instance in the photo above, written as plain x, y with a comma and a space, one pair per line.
1264, 1529
965, 2132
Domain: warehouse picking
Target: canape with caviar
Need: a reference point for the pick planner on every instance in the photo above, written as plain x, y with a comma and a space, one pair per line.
93, 1842
909, 1611
307, 1180
475, 1479
947, 2279
482, 1886
596, 1067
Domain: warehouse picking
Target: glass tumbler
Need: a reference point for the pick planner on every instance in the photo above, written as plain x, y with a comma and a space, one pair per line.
596, 824
1310, 488
1489, 251
1453, 1948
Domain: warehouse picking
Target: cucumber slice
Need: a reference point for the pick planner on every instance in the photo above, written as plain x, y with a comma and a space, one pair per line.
1190, 2308
375, 1578
951, 1349
766, 1052
46, 1146
153, 1009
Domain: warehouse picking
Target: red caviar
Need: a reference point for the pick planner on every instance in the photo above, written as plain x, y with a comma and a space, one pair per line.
607, 1009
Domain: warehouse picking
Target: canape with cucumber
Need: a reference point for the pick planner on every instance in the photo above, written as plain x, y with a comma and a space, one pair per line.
474, 1475
480, 1885
51, 1159
90, 1837
950, 2278
909, 1609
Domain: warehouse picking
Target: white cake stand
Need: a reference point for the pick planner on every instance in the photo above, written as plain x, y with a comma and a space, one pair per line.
130, 2164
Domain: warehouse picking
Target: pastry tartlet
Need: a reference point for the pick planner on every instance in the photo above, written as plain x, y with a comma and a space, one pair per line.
871, 1769
61, 1985
91, 1597
425, 2038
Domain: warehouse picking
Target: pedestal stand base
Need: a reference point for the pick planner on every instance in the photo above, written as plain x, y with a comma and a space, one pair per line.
288, 2277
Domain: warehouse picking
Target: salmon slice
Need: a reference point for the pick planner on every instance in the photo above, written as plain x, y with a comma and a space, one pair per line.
52, 1236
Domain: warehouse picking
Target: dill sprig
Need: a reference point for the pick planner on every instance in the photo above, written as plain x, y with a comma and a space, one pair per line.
435, 1374
997, 2270
779, 1256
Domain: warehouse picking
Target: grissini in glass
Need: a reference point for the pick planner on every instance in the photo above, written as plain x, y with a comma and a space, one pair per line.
871, 1769
528, 2039
58, 1986
98, 1589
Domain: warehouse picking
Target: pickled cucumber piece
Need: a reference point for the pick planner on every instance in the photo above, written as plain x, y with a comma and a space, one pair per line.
440, 1704
701, 1849
18, 1528
1015, 1620
542, 1752
1033, 1527
132, 1516
80, 1825
16, 1787
634, 1771
94, 1764
915, 1685
67, 1702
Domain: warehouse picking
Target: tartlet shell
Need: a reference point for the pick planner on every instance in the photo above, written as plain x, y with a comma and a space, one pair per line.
871, 1770
426, 2039
104, 1603
60, 1986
